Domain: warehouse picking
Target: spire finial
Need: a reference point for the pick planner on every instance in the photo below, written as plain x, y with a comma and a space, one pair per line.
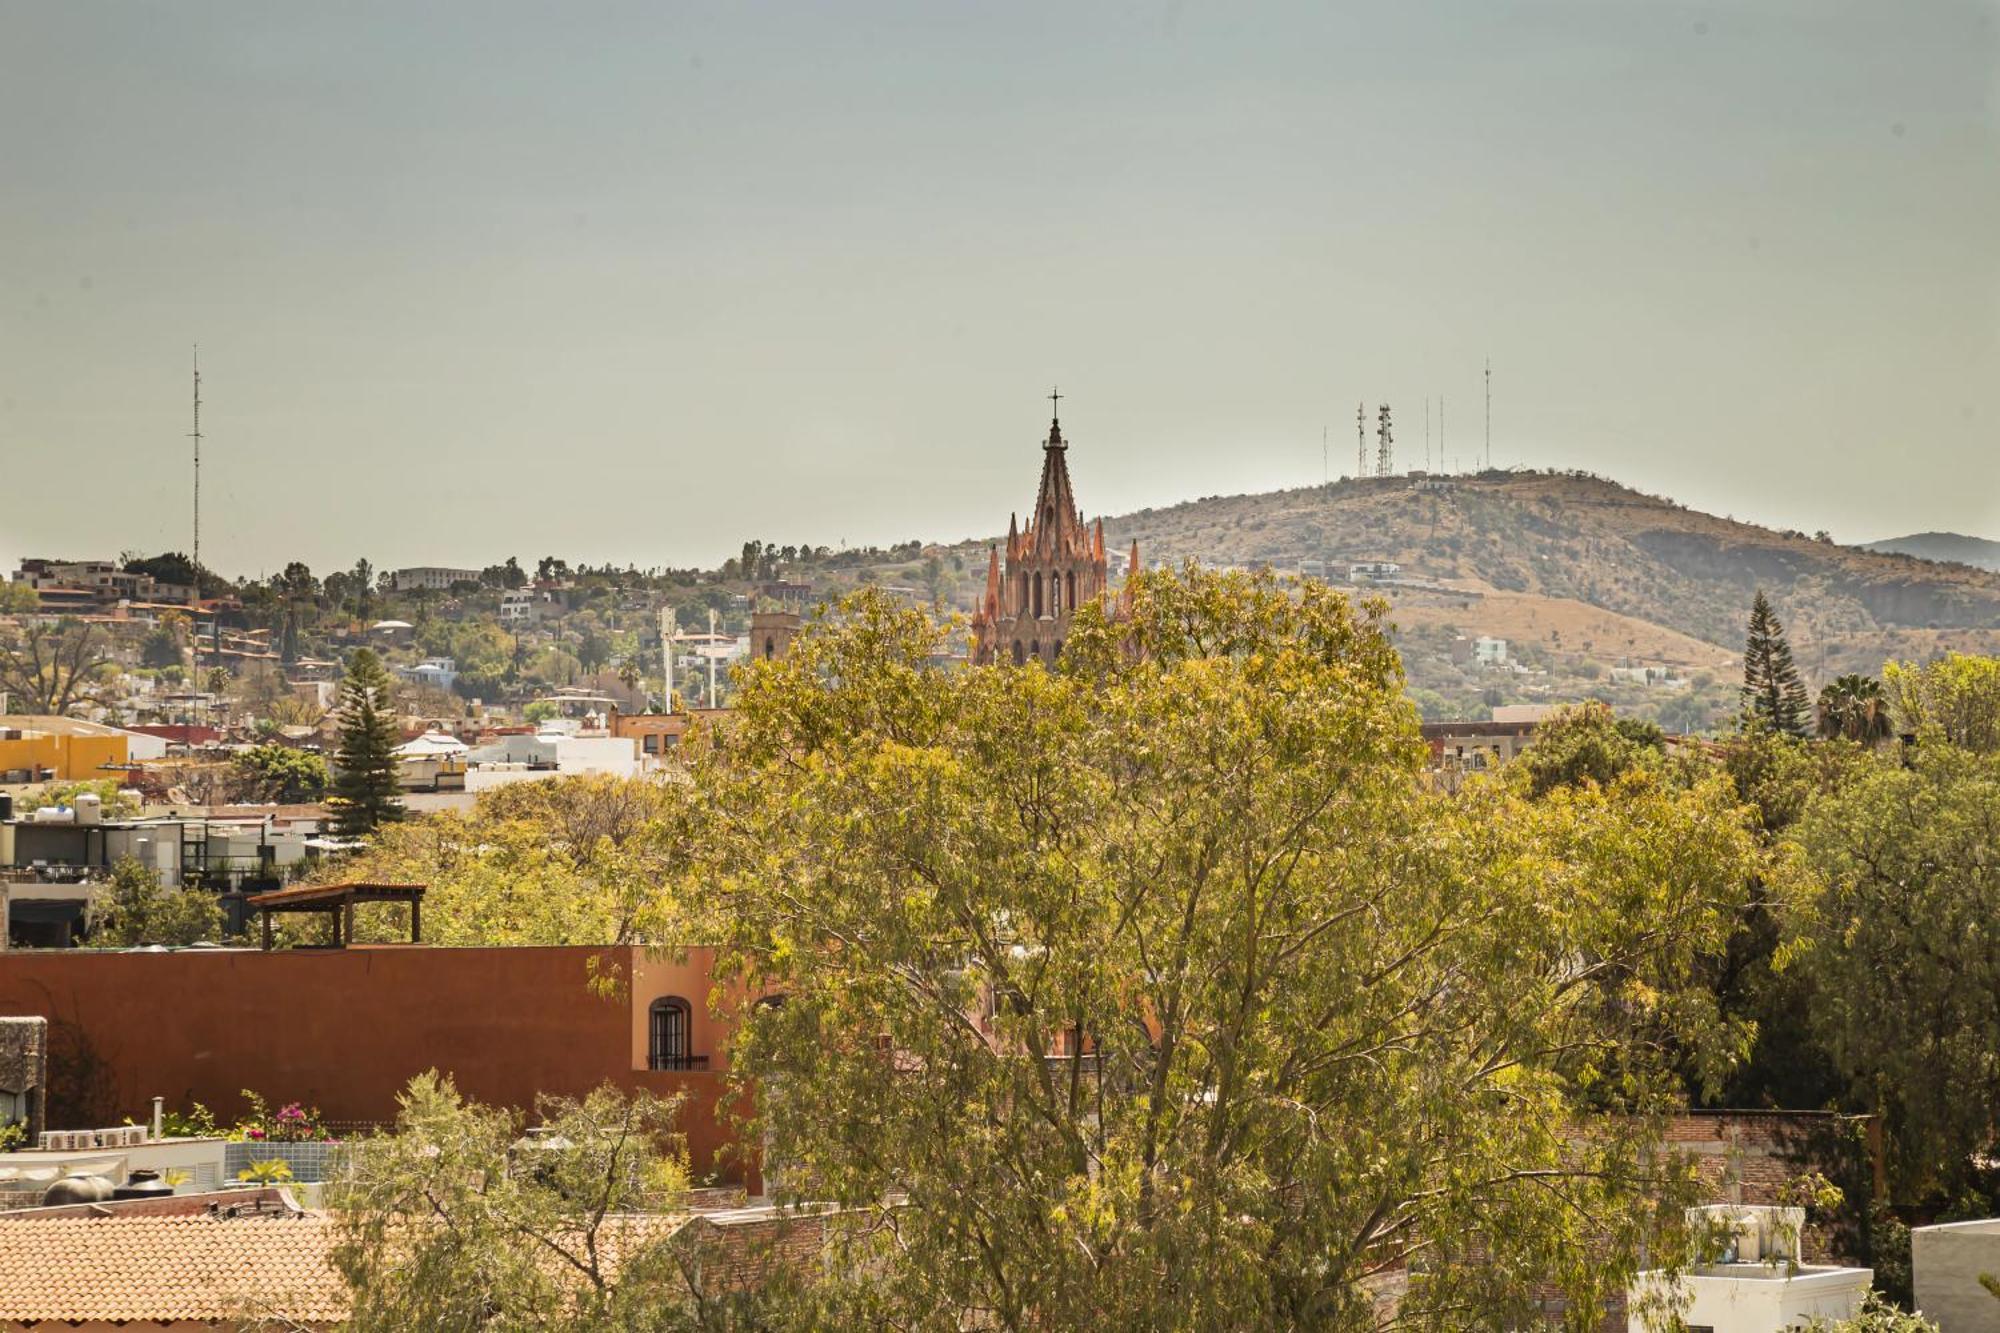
1055, 403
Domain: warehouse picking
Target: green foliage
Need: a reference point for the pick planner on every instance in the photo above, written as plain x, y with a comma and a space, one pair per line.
1584, 743
1877, 1315
575, 860
1954, 700
1773, 693
282, 774
119, 803
13, 1135
448, 1224
1164, 989
1854, 708
17, 597
138, 909
366, 790
266, 1171
293, 1122
1906, 983
541, 710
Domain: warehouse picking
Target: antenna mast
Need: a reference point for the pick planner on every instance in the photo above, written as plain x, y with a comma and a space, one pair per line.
1360, 440
1489, 411
195, 435
1441, 466
1427, 434
1384, 454
1325, 459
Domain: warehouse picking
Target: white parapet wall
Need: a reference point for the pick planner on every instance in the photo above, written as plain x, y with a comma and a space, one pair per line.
1746, 1297
1947, 1261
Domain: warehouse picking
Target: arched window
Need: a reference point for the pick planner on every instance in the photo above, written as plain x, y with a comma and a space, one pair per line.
1071, 576
1056, 654
672, 1036
1035, 649
1038, 596
1020, 653
1024, 593
770, 646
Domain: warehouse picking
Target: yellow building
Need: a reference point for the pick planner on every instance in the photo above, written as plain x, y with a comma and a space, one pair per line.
59, 749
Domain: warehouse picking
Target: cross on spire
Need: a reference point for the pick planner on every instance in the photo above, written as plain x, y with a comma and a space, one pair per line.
1055, 403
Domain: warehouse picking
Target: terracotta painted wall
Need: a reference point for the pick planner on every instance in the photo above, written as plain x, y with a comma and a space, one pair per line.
345, 1029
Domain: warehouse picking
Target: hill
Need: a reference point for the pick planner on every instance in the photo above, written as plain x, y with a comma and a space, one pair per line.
1581, 575
1954, 547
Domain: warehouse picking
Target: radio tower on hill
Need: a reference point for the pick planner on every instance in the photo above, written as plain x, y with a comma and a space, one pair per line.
1385, 453
1360, 440
195, 435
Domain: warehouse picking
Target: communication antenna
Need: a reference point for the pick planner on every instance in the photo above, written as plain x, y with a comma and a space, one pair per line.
1489, 412
1384, 442
1427, 434
195, 435
1360, 440
1441, 432
1325, 459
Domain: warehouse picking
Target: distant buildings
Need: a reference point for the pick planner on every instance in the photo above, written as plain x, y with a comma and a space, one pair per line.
94, 585
433, 578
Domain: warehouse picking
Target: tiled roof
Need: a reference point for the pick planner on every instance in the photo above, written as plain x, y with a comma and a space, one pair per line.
112, 1269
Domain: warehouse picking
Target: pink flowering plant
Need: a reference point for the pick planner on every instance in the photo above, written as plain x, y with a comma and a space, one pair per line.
293, 1122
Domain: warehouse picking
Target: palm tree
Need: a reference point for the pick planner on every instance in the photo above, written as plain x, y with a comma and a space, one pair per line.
1854, 708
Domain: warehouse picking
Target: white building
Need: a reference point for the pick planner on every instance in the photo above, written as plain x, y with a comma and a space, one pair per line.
1756, 1283
439, 673
1488, 651
1363, 570
437, 578
1948, 1262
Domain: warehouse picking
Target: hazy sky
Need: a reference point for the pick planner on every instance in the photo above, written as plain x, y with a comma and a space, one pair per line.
637, 282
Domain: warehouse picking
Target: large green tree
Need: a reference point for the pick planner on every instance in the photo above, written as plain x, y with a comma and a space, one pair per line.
1905, 976
1955, 699
52, 668
366, 792
1161, 991
1773, 693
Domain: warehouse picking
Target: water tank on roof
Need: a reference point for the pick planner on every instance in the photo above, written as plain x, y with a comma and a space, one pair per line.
143, 1184
77, 1189
89, 808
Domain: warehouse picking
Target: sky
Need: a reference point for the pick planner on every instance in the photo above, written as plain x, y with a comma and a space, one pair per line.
634, 283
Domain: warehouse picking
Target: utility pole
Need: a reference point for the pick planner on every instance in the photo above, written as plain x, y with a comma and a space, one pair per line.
1384, 440
711, 658
195, 435
667, 629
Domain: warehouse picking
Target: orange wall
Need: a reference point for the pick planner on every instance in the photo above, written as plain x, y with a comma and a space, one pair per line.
344, 1030
73, 758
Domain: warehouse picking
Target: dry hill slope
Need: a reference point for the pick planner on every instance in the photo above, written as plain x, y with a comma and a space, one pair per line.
1579, 539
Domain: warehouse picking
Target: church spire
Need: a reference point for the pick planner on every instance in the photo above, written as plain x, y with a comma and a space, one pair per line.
1055, 440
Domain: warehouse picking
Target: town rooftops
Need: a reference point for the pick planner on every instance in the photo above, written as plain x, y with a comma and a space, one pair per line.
165, 1269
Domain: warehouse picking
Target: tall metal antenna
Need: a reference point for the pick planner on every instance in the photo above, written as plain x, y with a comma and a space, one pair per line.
195, 435
1441, 466
1325, 458
1385, 456
1427, 434
1489, 411
1360, 440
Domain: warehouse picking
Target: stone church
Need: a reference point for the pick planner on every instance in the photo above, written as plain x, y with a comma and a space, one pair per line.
1054, 565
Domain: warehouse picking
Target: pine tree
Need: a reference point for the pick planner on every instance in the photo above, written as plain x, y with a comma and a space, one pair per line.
366, 792
1772, 691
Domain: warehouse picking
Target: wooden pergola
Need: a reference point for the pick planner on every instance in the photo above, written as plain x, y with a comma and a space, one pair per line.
337, 902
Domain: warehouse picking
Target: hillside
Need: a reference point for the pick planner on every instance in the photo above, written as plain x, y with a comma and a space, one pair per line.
1947, 546
1566, 548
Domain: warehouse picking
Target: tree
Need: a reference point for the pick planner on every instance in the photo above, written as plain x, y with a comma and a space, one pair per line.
138, 909
1854, 708
1162, 990
17, 597
367, 792
575, 860
281, 774
1583, 743
51, 669
592, 651
449, 1223
1905, 982
1955, 699
1772, 690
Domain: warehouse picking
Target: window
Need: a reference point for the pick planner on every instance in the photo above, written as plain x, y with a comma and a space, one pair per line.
1070, 578
770, 646
1020, 653
651, 742
1038, 595
672, 1043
